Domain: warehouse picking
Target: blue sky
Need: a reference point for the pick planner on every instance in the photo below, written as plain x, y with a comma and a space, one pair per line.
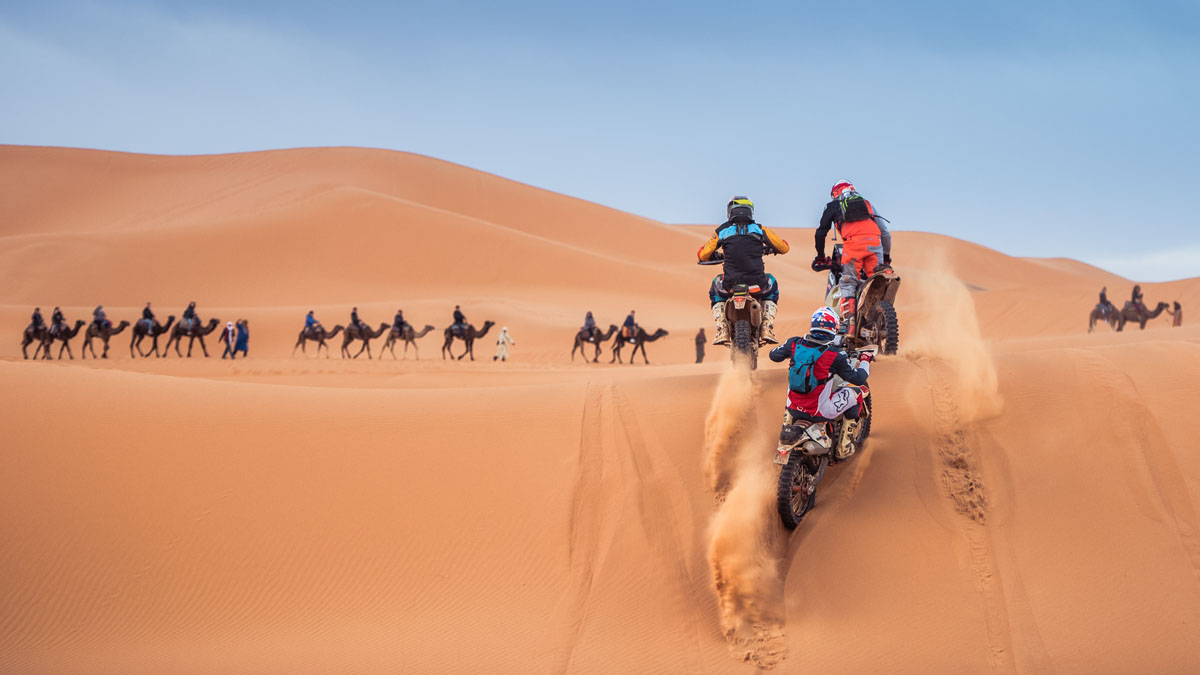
1036, 128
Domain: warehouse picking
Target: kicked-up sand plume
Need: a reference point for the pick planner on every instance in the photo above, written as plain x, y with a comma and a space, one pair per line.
1027, 501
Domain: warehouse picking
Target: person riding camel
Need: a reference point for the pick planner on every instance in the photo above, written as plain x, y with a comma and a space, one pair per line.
866, 247
189, 320
813, 360
37, 323
57, 322
742, 243
459, 326
148, 316
354, 320
629, 328
1138, 301
589, 325
1107, 309
311, 324
99, 317
398, 322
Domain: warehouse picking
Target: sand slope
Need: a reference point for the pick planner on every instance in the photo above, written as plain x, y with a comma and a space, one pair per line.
1028, 502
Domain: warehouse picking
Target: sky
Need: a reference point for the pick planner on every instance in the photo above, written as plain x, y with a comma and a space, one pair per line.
1040, 128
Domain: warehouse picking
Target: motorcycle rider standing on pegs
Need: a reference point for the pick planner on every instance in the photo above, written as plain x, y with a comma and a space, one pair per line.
867, 244
743, 243
813, 361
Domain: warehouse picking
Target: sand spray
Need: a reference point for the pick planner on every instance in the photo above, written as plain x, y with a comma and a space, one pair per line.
747, 540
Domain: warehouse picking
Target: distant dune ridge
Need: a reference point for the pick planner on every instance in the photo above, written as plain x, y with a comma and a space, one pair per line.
1027, 501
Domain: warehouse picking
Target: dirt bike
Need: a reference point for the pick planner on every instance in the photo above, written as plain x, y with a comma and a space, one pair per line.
743, 318
807, 449
877, 323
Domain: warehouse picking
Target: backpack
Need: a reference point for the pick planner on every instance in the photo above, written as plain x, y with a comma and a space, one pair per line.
802, 375
855, 208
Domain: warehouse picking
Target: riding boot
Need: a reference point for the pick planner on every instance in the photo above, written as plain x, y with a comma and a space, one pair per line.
722, 337
845, 447
847, 308
768, 324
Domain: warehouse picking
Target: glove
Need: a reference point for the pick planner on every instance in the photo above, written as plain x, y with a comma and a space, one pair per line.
820, 263
865, 357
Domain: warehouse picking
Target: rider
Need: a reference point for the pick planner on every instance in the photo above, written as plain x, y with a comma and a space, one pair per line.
38, 323
99, 317
1106, 306
867, 244
354, 321
148, 316
460, 322
57, 322
629, 328
589, 325
813, 361
310, 323
743, 243
398, 322
189, 316
1138, 301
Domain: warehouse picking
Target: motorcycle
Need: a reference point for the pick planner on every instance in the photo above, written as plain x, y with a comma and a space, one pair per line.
807, 449
743, 317
877, 322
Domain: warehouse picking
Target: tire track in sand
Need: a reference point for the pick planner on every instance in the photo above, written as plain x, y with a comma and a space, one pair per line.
617, 471
963, 485
590, 534
1170, 487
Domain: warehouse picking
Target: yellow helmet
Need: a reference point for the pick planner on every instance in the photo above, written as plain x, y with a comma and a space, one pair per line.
742, 205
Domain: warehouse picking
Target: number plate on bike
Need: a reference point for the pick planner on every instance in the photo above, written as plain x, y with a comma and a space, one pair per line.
782, 456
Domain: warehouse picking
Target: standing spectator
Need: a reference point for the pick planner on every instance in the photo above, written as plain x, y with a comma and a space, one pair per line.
243, 338
229, 337
700, 340
502, 344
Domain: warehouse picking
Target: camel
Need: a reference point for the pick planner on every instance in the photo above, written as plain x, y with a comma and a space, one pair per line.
366, 335
104, 333
639, 342
409, 336
582, 339
318, 335
1098, 314
66, 335
141, 329
468, 336
194, 333
30, 336
1138, 313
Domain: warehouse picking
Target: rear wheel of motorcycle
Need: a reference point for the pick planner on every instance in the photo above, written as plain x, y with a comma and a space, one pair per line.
743, 345
791, 501
887, 326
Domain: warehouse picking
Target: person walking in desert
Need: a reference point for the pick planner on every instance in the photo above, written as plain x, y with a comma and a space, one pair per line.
502, 343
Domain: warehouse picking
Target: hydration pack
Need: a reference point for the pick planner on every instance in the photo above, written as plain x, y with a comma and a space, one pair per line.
855, 208
802, 376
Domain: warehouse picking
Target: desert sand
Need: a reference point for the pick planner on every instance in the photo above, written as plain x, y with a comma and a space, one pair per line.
1026, 502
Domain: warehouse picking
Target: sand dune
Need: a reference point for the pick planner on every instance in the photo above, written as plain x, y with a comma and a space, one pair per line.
1027, 502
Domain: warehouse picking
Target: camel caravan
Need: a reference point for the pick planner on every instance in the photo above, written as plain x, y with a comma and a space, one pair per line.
146, 331
1134, 311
